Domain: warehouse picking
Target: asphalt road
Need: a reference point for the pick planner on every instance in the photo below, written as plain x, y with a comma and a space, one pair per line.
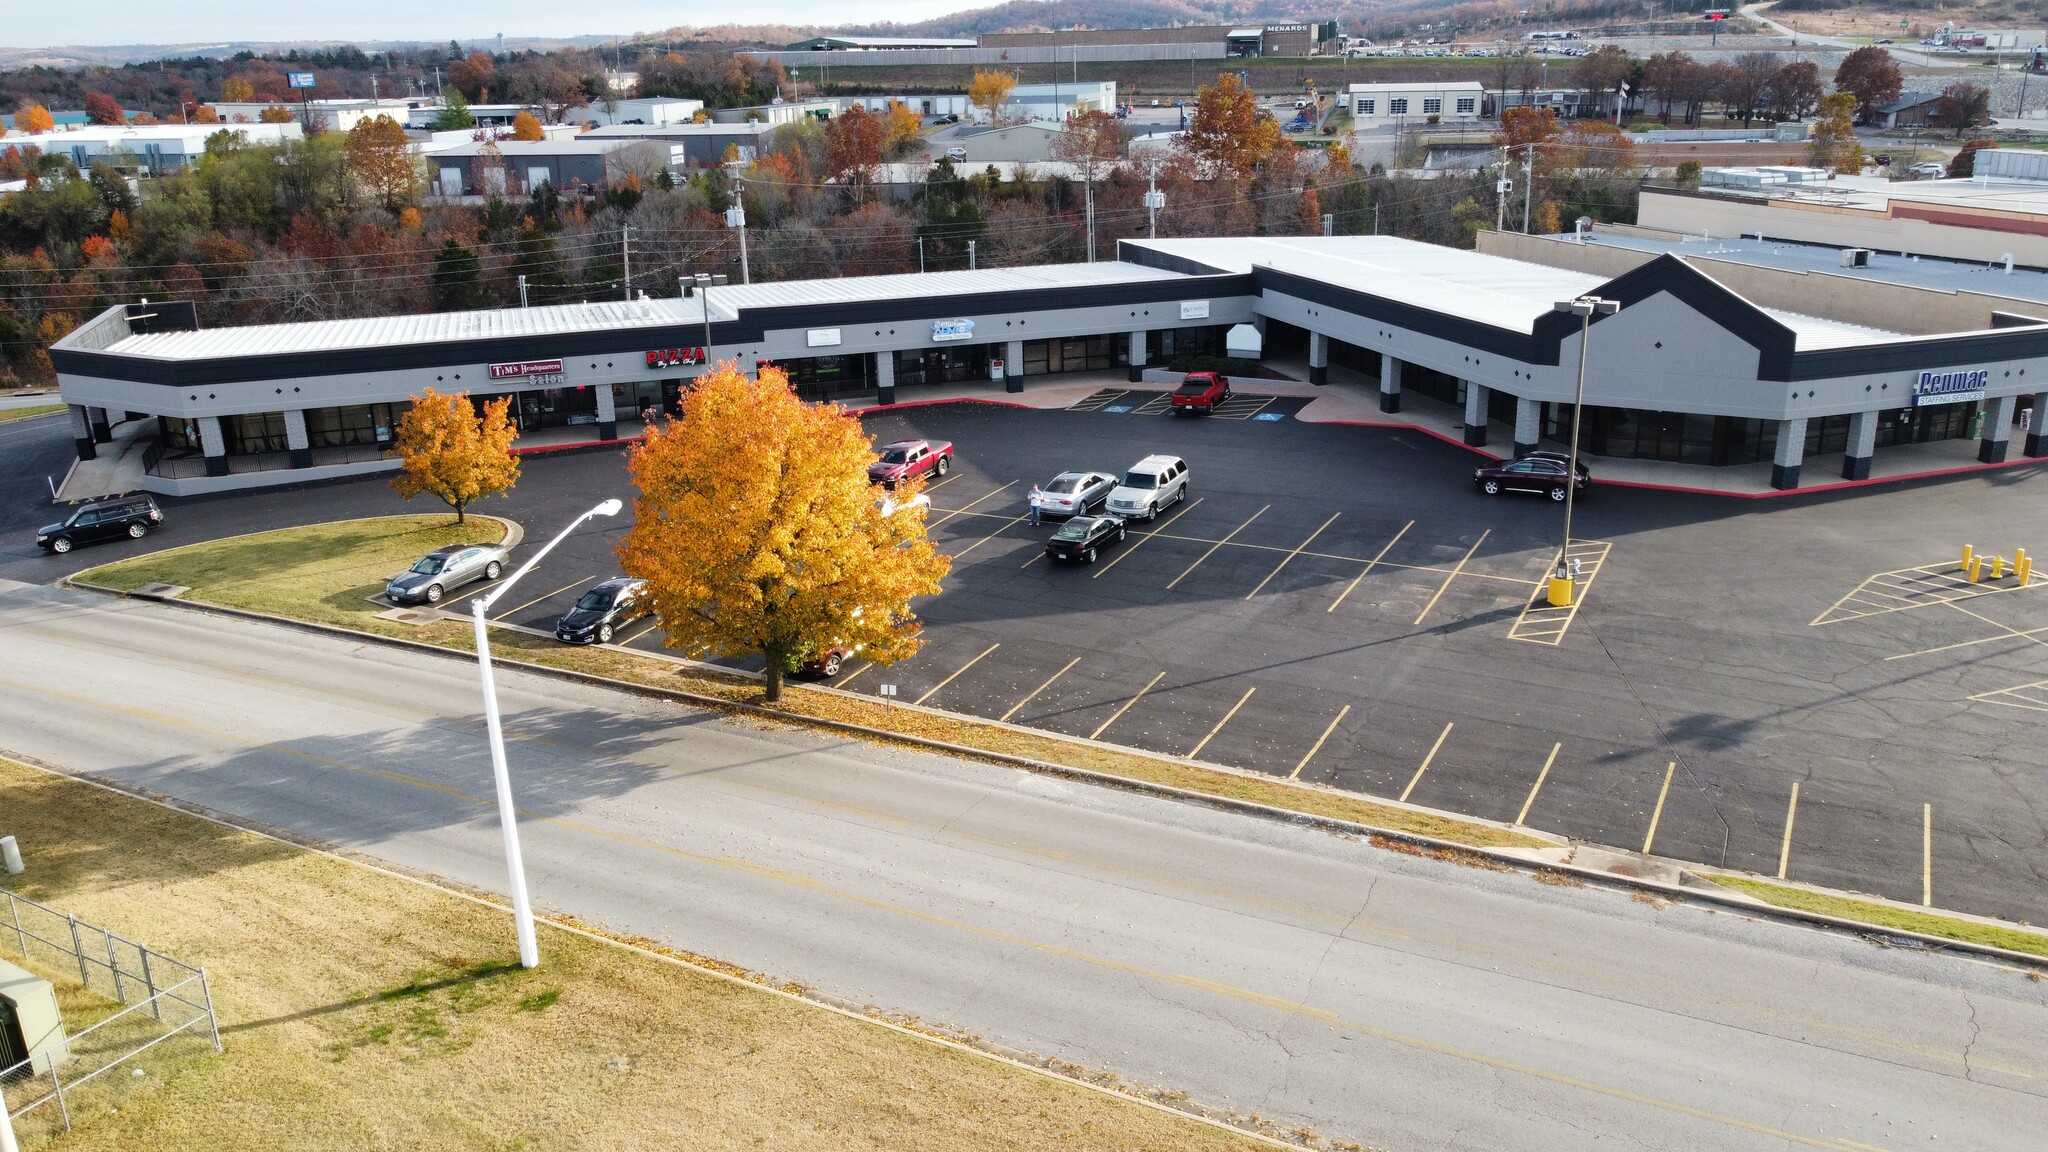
1369, 995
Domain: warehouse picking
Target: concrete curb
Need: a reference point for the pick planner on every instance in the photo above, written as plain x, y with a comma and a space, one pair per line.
1689, 885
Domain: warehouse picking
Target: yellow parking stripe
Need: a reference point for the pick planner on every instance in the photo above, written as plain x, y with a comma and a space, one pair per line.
969, 504
1538, 787
929, 692
1370, 565
1657, 814
1453, 576
1318, 746
1144, 536
1213, 547
507, 614
1791, 814
1102, 727
1291, 555
1927, 855
1006, 526
1037, 690
1417, 778
1220, 723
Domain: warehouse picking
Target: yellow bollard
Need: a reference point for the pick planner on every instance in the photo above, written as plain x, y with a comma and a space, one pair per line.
2025, 571
1561, 591
1976, 563
2019, 557
1998, 567
1969, 554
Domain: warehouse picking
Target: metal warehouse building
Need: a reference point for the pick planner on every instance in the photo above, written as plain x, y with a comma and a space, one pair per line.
249, 406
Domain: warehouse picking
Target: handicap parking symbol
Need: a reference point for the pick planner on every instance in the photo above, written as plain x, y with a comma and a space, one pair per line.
1120, 408
1270, 416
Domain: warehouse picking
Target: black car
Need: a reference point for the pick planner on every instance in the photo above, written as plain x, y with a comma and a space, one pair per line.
1083, 536
126, 516
1537, 472
603, 610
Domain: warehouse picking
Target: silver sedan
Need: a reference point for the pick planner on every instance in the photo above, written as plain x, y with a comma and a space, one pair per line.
1072, 493
443, 570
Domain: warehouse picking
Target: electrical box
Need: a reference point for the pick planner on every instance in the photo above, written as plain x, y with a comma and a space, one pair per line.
30, 1027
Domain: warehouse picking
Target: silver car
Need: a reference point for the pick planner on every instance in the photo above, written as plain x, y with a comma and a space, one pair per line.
1072, 493
444, 569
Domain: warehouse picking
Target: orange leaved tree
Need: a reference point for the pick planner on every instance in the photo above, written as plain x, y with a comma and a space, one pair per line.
449, 449
35, 118
757, 531
526, 126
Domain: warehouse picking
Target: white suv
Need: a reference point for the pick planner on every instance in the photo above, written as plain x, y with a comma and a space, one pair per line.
1150, 485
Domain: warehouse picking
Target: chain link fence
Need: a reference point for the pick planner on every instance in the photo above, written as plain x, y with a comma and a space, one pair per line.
167, 1007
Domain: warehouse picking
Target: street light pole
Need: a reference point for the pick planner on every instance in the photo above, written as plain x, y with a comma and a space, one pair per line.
508, 815
1563, 581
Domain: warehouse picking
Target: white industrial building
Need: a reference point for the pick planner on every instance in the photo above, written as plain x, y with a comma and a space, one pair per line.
1424, 102
151, 149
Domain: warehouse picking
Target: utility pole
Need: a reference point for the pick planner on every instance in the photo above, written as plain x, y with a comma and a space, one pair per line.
626, 258
736, 217
1500, 192
1154, 200
920, 254
522, 289
1528, 182
1088, 174
1375, 218
970, 255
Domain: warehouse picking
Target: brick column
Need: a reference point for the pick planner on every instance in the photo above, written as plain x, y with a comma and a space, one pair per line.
1862, 444
1476, 396
1528, 424
295, 438
81, 433
214, 443
1790, 454
2037, 435
102, 428
1137, 356
1390, 383
1013, 367
607, 413
1318, 358
885, 377
1997, 429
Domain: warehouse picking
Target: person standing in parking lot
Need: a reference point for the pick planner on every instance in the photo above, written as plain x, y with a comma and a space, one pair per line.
1036, 499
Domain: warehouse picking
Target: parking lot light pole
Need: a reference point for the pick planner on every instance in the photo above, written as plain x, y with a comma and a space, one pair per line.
508, 822
1563, 582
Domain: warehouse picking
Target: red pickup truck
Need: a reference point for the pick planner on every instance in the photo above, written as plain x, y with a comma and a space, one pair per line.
1201, 392
907, 458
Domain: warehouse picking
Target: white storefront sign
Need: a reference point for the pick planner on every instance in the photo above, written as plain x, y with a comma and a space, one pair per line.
1194, 309
822, 337
943, 330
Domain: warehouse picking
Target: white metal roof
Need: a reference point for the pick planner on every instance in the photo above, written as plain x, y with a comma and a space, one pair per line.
563, 319
1492, 290
1815, 332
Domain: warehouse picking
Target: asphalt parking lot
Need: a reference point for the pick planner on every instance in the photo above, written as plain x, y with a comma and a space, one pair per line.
1803, 686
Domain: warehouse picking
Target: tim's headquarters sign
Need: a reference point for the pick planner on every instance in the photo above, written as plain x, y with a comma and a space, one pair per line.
1953, 387
521, 369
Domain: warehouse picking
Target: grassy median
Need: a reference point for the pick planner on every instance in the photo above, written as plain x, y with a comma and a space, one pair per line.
324, 573
361, 1010
1886, 915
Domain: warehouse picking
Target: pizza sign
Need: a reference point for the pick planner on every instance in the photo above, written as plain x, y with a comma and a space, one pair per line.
673, 357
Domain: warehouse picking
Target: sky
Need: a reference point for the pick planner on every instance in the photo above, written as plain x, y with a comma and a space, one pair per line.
33, 25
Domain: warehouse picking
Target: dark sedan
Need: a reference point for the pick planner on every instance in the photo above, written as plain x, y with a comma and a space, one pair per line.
1537, 472
1082, 537
603, 610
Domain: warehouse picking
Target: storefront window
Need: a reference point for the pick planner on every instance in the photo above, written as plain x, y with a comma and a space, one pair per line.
342, 427
1071, 354
252, 432
180, 433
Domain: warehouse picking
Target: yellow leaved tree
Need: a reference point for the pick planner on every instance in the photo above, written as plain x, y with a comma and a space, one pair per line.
757, 531
450, 450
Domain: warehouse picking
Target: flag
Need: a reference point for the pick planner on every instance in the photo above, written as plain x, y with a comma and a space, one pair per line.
1624, 89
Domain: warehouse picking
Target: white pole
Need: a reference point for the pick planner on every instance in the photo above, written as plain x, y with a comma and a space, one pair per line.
626, 258
508, 814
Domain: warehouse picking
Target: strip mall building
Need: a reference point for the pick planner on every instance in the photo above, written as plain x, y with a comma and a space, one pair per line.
1719, 356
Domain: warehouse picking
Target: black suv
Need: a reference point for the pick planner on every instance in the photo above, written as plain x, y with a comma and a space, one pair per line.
125, 516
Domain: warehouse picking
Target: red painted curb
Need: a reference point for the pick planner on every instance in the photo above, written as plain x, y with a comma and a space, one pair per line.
955, 400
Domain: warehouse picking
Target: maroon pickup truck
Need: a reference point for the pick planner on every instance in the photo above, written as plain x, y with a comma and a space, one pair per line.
907, 458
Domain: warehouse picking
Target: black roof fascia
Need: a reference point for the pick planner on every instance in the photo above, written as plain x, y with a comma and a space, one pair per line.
752, 325
1922, 354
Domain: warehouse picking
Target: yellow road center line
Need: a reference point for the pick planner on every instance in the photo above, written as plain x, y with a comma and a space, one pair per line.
1453, 576
956, 672
970, 504
1657, 814
1007, 525
1145, 536
1538, 786
1318, 746
1245, 995
1215, 546
1037, 690
537, 599
1417, 778
1102, 727
1291, 555
1369, 566
1927, 855
1791, 813
1220, 723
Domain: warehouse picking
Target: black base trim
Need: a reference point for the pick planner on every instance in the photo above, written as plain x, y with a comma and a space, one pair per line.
1137, 373
1390, 401
216, 465
2037, 444
1013, 383
102, 432
1784, 477
885, 394
1319, 374
1855, 467
1475, 435
607, 430
1992, 451
1522, 449
86, 451
302, 457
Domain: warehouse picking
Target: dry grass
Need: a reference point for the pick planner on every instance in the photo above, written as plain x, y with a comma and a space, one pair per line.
322, 573
30, 412
1886, 916
364, 1011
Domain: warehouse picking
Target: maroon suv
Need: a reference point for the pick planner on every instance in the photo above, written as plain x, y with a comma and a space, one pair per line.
1537, 472
1201, 392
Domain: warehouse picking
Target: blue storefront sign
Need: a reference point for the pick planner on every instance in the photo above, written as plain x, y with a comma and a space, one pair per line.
300, 79
952, 329
1957, 387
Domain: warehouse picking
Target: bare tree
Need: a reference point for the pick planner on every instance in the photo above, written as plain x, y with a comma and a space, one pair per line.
1747, 79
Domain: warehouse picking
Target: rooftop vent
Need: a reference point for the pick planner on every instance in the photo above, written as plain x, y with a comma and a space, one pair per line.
1855, 257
